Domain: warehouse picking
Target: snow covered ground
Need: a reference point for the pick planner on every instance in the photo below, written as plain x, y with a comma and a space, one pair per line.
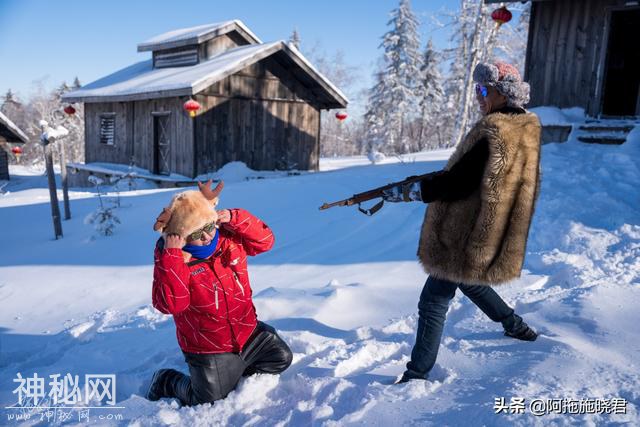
343, 289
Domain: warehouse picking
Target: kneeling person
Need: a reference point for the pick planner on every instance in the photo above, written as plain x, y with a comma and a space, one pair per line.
200, 277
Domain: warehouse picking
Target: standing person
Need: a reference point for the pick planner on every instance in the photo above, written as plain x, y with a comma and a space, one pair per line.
200, 277
475, 228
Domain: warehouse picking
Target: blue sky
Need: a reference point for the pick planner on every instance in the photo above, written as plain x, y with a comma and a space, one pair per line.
57, 40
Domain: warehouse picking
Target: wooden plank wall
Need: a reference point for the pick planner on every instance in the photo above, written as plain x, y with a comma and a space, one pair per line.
181, 135
564, 53
219, 44
122, 150
134, 134
261, 116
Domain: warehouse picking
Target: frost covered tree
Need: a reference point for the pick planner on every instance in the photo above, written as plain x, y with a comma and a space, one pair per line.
103, 219
511, 40
476, 38
45, 104
16, 111
337, 138
392, 101
375, 118
9, 96
13, 109
431, 96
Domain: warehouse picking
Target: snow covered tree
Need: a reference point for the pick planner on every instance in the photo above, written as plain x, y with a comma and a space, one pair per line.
9, 96
392, 100
104, 219
76, 83
431, 96
511, 41
337, 138
294, 39
47, 105
375, 117
15, 110
476, 39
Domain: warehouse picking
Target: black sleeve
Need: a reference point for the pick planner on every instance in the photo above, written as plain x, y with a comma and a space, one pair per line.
461, 180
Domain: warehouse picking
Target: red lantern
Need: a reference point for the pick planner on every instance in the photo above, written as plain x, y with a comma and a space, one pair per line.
192, 106
69, 110
501, 15
341, 115
17, 151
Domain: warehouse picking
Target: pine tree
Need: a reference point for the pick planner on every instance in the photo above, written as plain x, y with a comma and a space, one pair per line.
376, 115
294, 39
62, 89
430, 94
76, 83
9, 96
392, 100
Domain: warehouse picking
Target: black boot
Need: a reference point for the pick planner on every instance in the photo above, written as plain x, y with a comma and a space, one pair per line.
523, 332
158, 386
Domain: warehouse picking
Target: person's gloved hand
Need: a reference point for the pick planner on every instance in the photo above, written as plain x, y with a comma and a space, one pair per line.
403, 193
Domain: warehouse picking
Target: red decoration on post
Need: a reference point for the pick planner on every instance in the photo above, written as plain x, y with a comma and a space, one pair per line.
69, 110
341, 115
501, 15
192, 106
17, 151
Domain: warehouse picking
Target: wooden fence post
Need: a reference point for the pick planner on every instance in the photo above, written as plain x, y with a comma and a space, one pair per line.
65, 184
51, 177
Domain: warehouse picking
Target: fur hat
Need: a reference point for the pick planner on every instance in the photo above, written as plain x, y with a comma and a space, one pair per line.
189, 211
506, 79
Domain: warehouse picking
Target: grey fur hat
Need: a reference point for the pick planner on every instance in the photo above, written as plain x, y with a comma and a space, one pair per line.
506, 79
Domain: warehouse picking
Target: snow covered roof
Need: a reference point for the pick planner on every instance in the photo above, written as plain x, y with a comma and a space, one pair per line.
141, 81
197, 35
10, 132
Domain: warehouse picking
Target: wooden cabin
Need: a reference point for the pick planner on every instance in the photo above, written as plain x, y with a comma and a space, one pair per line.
9, 134
260, 104
584, 53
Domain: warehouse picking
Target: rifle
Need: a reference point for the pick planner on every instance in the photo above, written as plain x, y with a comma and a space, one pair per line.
372, 194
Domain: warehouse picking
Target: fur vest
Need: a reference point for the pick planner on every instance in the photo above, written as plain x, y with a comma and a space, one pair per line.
482, 239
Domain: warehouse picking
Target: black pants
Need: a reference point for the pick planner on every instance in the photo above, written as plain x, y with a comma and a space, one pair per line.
213, 376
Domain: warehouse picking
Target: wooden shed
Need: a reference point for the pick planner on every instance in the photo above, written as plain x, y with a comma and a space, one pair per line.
260, 104
9, 134
585, 53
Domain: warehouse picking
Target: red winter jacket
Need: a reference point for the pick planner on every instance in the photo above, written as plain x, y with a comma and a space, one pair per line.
211, 301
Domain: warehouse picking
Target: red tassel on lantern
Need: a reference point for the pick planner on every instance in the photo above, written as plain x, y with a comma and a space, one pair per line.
501, 15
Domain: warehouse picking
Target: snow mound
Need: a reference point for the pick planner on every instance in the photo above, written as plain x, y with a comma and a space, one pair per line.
558, 116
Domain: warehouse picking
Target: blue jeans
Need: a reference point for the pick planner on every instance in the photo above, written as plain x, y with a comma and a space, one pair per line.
432, 309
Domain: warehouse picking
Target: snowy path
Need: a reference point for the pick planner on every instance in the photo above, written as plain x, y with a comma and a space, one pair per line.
343, 288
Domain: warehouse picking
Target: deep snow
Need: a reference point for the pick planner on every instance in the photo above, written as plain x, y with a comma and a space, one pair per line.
343, 289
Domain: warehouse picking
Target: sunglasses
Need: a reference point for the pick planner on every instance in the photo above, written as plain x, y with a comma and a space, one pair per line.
481, 90
197, 235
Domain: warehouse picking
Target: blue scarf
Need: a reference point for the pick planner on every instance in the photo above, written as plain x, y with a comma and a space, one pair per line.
203, 251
